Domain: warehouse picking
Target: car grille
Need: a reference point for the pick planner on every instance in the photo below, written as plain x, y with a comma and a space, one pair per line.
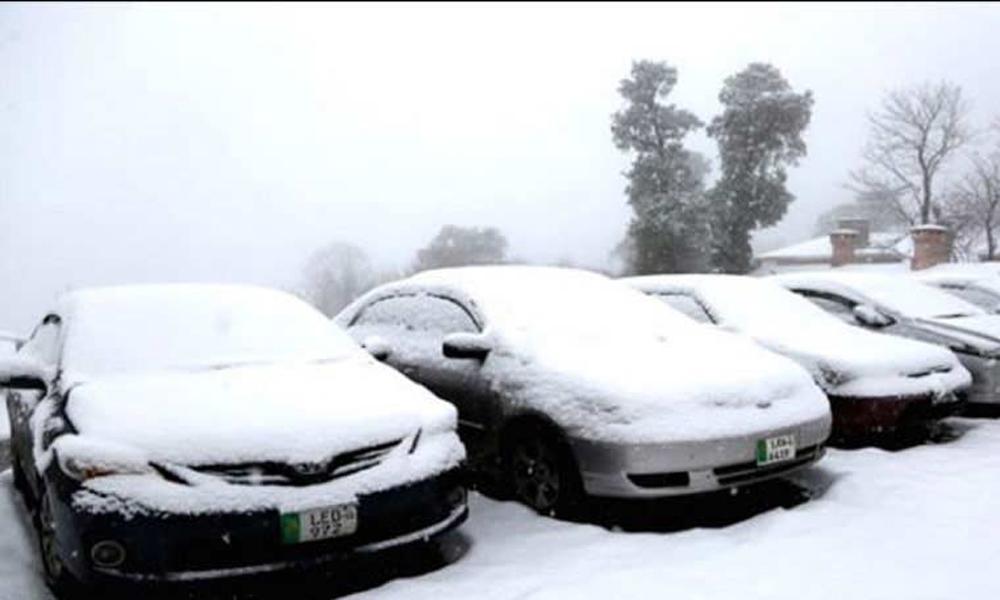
749, 471
300, 474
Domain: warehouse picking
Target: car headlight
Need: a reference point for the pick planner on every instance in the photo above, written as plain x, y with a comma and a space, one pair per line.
84, 469
82, 459
830, 376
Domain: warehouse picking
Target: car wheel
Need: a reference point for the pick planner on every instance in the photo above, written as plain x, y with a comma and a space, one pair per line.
57, 577
542, 474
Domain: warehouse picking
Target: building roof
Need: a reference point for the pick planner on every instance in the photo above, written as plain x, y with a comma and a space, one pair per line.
883, 244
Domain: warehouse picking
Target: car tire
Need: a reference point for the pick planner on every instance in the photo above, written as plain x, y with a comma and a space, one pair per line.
60, 581
20, 483
541, 472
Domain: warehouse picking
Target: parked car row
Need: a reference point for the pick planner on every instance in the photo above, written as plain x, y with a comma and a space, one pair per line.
186, 432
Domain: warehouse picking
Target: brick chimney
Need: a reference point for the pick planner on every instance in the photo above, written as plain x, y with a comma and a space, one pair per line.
862, 226
844, 241
931, 246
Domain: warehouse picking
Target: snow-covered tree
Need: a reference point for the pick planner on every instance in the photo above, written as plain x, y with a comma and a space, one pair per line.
455, 246
669, 229
759, 134
872, 205
335, 275
912, 138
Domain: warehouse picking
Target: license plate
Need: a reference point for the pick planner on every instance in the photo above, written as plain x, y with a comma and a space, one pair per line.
319, 524
775, 449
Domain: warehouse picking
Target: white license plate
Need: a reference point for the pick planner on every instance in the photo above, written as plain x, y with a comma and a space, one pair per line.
775, 449
319, 524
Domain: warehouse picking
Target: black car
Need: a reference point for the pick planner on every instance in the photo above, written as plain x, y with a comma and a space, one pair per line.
188, 432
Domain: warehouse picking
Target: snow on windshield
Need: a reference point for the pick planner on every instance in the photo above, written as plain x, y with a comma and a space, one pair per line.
754, 305
182, 326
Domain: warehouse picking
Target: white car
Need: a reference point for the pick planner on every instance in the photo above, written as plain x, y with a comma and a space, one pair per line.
978, 287
185, 432
876, 383
575, 384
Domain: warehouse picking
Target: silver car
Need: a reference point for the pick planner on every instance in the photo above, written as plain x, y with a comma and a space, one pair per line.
902, 306
568, 383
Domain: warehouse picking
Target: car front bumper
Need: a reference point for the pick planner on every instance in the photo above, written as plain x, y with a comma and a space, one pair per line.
179, 548
859, 417
985, 388
621, 470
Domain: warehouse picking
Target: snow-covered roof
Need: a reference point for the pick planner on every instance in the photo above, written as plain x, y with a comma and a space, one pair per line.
820, 249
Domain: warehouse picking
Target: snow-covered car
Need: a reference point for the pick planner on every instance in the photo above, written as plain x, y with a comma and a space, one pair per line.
900, 305
983, 291
186, 432
573, 384
876, 383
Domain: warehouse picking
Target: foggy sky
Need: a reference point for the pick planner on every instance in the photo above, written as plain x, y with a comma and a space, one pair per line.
226, 143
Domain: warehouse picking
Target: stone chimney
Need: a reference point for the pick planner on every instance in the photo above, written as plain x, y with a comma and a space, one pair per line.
931, 246
844, 241
862, 226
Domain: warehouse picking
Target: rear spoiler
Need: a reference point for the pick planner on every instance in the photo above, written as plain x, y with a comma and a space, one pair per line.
11, 337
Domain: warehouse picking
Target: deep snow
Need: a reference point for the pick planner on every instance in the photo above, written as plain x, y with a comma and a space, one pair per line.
922, 523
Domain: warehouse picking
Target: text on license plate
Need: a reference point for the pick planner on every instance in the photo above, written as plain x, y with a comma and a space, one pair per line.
319, 523
775, 449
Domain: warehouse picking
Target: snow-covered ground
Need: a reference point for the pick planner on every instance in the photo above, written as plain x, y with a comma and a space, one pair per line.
917, 523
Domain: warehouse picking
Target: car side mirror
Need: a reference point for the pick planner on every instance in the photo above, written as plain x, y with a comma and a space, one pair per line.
466, 345
19, 372
870, 317
377, 346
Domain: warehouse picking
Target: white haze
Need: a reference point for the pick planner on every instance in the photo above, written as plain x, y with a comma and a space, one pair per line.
173, 142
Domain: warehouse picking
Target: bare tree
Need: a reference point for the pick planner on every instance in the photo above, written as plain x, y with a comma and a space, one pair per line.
456, 246
974, 208
911, 139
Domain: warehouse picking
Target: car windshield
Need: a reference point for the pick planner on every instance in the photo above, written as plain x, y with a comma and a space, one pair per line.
148, 328
914, 299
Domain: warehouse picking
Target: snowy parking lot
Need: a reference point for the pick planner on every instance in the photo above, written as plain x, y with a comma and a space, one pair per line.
923, 522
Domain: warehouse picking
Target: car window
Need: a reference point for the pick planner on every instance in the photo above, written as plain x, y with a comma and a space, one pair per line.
418, 313
841, 308
980, 298
687, 305
44, 341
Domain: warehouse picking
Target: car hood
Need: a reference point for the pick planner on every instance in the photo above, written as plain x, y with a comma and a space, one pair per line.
693, 385
848, 361
280, 413
979, 334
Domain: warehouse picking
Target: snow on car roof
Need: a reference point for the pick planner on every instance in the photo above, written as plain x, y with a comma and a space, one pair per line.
546, 298
987, 274
896, 292
151, 327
